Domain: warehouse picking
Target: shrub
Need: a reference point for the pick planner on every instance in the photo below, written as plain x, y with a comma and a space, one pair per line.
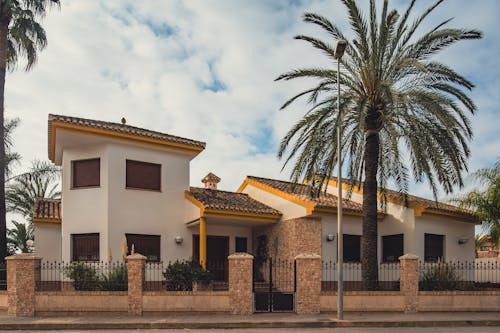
443, 276
84, 276
180, 275
116, 279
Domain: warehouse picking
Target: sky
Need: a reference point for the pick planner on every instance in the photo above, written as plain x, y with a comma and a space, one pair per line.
205, 69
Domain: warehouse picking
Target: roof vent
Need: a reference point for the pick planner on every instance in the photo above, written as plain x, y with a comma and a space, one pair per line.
210, 181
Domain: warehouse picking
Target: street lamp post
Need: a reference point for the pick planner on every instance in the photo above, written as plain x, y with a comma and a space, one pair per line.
339, 52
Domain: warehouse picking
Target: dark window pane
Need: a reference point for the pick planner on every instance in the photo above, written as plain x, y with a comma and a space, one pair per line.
86, 173
433, 247
85, 247
392, 247
147, 245
352, 248
143, 175
241, 244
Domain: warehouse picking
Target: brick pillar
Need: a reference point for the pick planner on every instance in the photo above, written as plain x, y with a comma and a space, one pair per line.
136, 264
409, 281
240, 283
308, 282
21, 284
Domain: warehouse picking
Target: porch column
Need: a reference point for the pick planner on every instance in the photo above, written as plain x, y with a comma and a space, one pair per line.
203, 242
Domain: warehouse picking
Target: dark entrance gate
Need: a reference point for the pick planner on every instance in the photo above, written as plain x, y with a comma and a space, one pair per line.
274, 285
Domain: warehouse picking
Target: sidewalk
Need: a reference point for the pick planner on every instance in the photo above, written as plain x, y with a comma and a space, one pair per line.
269, 320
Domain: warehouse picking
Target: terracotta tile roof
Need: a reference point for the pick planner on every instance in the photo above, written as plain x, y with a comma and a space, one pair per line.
47, 209
230, 201
125, 129
210, 177
301, 191
426, 203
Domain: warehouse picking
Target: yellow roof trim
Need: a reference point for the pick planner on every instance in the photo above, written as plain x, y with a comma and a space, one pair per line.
55, 125
309, 206
46, 220
204, 212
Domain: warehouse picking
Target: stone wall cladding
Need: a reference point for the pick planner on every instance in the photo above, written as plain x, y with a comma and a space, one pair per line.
409, 281
240, 283
21, 283
289, 238
136, 264
308, 269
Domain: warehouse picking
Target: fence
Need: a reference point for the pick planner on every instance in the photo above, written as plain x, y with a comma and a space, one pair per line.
3, 276
352, 274
185, 276
460, 275
82, 276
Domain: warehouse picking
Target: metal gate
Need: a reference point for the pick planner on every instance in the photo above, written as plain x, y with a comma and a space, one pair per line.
274, 285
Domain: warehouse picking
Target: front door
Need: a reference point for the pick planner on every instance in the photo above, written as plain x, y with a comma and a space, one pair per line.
217, 253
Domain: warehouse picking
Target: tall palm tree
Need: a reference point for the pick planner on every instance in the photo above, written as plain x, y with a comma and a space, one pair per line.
485, 201
402, 112
41, 181
21, 35
18, 237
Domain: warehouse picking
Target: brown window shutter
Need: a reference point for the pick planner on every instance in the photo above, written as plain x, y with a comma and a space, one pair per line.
86, 173
85, 247
143, 175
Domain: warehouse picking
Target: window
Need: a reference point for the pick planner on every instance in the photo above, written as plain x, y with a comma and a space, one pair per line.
147, 245
352, 248
392, 247
241, 244
433, 247
143, 175
86, 173
85, 247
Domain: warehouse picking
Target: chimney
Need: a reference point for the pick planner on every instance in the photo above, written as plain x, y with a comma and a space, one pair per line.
210, 181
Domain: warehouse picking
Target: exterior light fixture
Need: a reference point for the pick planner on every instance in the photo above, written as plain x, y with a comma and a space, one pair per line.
330, 237
463, 240
178, 240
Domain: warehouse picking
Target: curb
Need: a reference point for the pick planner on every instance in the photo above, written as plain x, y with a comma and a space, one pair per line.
236, 325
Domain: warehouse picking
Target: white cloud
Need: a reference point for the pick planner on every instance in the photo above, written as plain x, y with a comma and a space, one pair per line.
152, 62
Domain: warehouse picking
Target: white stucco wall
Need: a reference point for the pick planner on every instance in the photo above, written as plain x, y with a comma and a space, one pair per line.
149, 212
289, 209
85, 210
452, 230
48, 241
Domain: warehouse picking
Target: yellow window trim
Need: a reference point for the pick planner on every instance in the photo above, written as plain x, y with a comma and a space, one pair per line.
98, 132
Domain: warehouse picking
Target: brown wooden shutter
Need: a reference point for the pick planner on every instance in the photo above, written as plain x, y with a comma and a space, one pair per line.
86, 173
433, 247
143, 175
147, 245
392, 247
85, 247
352, 248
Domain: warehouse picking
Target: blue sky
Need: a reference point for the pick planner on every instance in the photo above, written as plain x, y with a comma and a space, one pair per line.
205, 70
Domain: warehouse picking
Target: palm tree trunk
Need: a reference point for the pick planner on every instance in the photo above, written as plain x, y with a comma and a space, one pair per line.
4, 28
369, 244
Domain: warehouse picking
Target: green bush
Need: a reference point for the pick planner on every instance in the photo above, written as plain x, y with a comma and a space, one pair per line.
443, 276
84, 276
116, 280
180, 275
87, 278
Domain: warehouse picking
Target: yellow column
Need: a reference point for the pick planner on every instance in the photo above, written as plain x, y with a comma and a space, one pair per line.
203, 242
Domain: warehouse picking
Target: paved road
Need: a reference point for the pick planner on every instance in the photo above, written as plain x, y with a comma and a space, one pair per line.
318, 330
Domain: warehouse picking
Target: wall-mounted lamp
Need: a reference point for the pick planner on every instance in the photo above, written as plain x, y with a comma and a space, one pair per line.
330, 237
179, 239
463, 240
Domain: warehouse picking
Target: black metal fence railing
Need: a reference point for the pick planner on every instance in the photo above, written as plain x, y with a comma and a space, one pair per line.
388, 274
482, 274
82, 276
3, 276
186, 276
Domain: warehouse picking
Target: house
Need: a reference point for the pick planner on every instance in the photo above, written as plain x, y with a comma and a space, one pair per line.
127, 188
